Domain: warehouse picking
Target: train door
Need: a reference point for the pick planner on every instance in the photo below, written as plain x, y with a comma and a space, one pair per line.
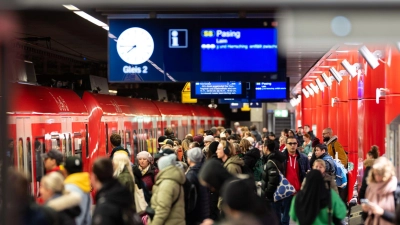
25, 156
393, 143
38, 164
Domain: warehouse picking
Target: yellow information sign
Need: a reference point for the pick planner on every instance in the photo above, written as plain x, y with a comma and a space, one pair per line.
245, 107
186, 98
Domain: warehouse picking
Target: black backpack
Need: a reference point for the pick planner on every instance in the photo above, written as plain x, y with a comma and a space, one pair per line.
190, 196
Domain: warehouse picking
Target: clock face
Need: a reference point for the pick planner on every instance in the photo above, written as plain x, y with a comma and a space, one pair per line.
135, 45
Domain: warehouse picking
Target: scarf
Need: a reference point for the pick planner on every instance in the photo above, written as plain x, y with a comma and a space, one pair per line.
144, 171
382, 194
312, 198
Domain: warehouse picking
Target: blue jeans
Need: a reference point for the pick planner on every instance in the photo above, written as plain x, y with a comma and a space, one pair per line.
281, 209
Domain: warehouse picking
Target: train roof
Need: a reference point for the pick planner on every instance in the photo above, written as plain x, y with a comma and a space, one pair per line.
109, 104
31, 99
175, 109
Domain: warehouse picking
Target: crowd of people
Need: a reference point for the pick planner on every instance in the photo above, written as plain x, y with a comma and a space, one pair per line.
223, 176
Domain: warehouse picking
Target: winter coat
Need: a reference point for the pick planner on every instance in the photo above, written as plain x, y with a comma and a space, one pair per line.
118, 148
167, 189
334, 144
149, 177
202, 208
114, 203
338, 210
251, 157
126, 179
302, 161
368, 164
271, 173
234, 165
66, 206
80, 183
256, 135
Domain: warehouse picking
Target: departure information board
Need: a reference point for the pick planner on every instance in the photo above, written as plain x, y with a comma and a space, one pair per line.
217, 89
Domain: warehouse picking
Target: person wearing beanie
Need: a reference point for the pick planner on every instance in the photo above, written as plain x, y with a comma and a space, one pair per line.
213, 176
212, 150
147, 170
78, 182
200, 140
168, 200
242, 204
201, 211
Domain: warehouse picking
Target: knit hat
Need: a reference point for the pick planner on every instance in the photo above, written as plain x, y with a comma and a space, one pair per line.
73, 164
250, 139
195, 155
315, 142
213, 147
214, 130
166, 161
209, 138
198, 138
54, 154
144, 155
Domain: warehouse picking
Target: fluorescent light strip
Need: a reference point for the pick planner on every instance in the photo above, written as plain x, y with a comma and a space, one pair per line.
91, 18
71, 7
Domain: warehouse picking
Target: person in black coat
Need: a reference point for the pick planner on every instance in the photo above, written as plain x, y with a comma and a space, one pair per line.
273, 164
250, 157
201, 211
371, 156
113, 200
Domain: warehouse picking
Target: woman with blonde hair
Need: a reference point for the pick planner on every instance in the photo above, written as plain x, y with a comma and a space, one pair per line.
54, 195
379, 204
123, 172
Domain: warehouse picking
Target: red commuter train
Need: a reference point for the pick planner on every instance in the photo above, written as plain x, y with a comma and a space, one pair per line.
42, 118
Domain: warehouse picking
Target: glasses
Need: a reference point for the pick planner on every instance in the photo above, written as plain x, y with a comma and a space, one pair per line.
292, 143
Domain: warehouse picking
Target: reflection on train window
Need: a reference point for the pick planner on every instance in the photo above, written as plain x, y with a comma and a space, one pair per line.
55, 142
135, 143
10, 152
128, 141
107, 138
87, 141
39, 150
78, 145
69, 145
29, 158
20, 149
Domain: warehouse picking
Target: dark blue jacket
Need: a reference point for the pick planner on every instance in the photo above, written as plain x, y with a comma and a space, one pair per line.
202, 209
302, 161
118, 148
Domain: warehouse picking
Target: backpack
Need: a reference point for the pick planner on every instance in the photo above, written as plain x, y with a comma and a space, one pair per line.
190, 192
336, 169
258, 170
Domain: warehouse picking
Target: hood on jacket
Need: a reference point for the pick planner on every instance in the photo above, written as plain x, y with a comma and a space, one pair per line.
81, 180
119, 148
334, 138
235, 160
277, 155
113, 192
369, 162
171, 173
254, 153
214, 174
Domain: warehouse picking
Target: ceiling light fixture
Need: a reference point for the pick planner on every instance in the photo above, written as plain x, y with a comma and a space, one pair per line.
310, 90
320, 84
371, 58
336, 74
71, 7
327, 80
351, 69
305, 93
92, 19
314, 88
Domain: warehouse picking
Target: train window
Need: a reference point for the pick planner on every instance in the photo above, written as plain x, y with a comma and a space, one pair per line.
121, 133
39, 150
87, 141
55, 142
128, 141
135, 143
69, 145
78, 144
10, 151
29, 158
107, 138
64, 146
20, 149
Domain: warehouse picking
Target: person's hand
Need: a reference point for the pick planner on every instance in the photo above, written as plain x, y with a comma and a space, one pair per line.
376, 209
365, 207
207, 222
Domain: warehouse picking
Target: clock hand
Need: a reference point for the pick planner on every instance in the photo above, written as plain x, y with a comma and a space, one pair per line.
132, 48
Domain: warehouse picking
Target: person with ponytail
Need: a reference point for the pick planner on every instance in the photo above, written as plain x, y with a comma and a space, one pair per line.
371, 156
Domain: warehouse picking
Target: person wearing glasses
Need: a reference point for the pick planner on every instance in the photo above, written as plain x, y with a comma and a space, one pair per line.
295, 168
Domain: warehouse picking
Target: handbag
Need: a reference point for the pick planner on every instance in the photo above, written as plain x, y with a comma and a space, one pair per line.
284, 189
140, 201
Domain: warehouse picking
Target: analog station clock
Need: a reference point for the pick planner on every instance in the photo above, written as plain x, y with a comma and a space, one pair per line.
135, 45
